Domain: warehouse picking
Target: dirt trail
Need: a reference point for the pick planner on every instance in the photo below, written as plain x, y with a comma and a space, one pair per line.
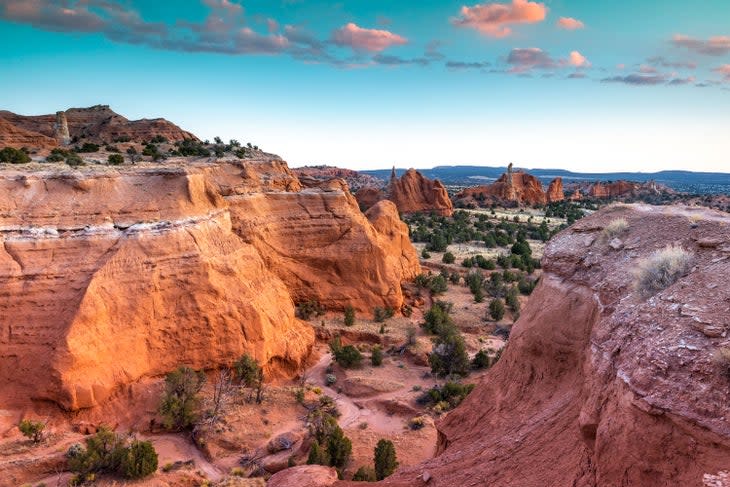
171, 448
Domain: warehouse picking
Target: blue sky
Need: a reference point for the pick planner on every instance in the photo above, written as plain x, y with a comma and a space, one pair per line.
592, 86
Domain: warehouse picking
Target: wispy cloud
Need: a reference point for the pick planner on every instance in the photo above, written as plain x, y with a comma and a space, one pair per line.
524, 60
724, 71
360, 39
496, 19
467, 65
665, 63
638, 79
569, 23
714, 46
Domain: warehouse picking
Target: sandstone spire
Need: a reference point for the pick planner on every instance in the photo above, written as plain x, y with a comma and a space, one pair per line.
60, 129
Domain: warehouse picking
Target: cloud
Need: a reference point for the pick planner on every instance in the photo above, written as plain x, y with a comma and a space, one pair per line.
467, 65
569, 23
578, 60
577, 75
682, 81
524, 60
714, 46
388, 60
665, 63
359, 39
495, 19
637, 79
724, 71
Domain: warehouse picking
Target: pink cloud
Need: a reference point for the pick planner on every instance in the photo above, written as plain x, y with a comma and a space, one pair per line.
724, 70
578, 60
714, 46
569, 23
494, 19
366, 39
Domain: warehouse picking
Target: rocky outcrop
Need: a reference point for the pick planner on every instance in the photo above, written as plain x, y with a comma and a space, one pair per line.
600, 385
612, 190
555, 191
414, 193
112, 276
512, 187
16, 137
369, 196
355, 180
61, 133
98, 124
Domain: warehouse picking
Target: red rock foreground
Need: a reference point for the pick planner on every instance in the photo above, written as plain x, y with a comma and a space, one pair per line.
110, 276
599, 385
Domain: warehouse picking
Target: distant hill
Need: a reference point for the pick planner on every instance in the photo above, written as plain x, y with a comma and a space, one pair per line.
684, 181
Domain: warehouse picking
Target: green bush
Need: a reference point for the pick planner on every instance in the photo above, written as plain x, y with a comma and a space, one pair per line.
104, 453
438, 285
349, 316
317, 455
382, 314
180, 400
480, 360
74, 160
385, 459
247, 370
449, 356
87, 147
347, 356
437, 319
364, 474
448, 258
32, 429
496, 309
451, 393
139, 460
376, 356
14, 156
339, 448
116, 159
308, 309
513, 300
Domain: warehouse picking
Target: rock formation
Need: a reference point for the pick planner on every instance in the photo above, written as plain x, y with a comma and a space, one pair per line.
61, 129
109, 277
97, 124
355, 180
612, 190
600, 385
411, 193
16, 137
512, 187
555, 191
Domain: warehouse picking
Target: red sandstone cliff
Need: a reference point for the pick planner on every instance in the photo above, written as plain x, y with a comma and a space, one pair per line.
97, 124
17, 137
555, 191
612, 190
109, 277
413, 193
599, 385
515, 187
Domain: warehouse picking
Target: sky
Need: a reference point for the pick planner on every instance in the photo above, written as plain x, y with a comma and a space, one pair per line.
639, 85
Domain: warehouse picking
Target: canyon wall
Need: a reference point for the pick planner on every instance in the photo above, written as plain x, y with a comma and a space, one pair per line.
411, 193
110, 276
600, 385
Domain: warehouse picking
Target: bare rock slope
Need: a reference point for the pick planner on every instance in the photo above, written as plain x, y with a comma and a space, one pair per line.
601, 385
111, 276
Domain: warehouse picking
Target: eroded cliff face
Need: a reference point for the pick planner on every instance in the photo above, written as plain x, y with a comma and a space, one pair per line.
513, 187
600, 385
109, 277
414, 193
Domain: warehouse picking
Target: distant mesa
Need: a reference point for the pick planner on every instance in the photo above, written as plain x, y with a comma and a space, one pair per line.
411, 193
98, 124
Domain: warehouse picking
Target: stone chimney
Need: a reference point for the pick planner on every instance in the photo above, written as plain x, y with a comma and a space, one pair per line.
60, 129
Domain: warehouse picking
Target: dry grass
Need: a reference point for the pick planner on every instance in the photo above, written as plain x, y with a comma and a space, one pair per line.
662, 269
615, 228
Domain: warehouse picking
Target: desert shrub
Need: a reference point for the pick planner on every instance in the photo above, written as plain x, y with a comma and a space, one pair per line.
364, 474
438, 285
14, 156
513, 300
308, 309
454, 278
437, 319
451, 394
385, 459
339, 448
299, 395
348, 356
179, 404
416, 423
449, 355
411, 336
189, 147
55, 157
437, 243
425, 254
376, 356
480, 360
496, 309
615, 228
87, 147
104, 453
112, 148
317, 455
349, 315
448, 258
526, 286
661, 269
116, 159
139, 460
382, 314
247, 370
32, 429
74, 160
158, 139
330, 379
